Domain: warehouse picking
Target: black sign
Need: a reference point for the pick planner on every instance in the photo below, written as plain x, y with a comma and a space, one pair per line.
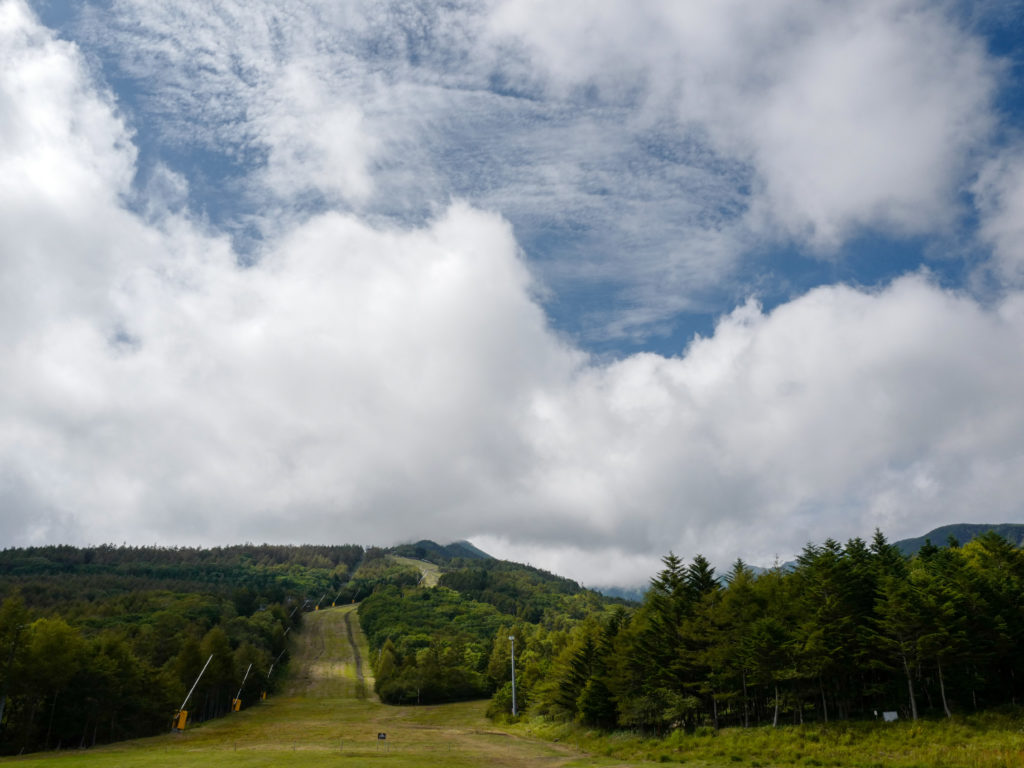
382, 736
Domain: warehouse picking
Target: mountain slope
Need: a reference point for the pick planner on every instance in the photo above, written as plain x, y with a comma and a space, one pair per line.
963, 533
436, 553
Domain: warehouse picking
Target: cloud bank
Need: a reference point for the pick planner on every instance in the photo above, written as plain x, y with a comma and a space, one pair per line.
373, 380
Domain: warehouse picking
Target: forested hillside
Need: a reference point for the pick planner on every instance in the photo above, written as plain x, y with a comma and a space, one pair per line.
962, 533
847, 632
451, 642
102, 643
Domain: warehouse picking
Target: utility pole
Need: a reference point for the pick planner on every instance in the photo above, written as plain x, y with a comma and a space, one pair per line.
512, 640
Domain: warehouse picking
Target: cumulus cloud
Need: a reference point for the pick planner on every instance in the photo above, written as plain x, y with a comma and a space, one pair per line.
65, 160
1000, 195
371, 381
838, 412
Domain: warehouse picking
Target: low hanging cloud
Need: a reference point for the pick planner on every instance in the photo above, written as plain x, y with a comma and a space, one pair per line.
376, 383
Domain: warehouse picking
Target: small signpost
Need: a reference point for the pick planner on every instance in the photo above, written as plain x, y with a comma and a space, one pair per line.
382, 740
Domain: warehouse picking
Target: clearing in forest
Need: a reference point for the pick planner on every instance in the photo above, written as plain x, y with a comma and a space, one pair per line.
431, 573
328, 714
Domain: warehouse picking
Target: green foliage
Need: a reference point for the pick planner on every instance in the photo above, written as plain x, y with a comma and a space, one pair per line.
103, 643
526, 593
961, 533
455, 553
849, 631
451, 642
431, 644
72, 580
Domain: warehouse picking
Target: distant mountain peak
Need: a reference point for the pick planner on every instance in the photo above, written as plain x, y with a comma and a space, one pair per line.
474, 552
425, 549
963, 533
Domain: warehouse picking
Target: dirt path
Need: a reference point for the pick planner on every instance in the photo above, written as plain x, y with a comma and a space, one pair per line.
430, 574
329, 717
326, 658
328, 665
360, 680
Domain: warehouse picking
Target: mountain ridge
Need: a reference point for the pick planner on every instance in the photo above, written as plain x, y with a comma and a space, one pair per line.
963, 533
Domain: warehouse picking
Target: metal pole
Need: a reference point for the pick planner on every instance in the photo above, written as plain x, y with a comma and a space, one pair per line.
512, 639
244, 678
271, 671
195, 683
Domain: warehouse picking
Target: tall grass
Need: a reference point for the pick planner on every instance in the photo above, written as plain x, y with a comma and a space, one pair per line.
325, 719
992, 740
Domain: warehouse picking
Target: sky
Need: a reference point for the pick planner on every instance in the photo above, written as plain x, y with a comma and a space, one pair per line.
581, 282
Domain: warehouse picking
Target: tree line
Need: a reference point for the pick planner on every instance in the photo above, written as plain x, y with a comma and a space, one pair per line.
100, 644
437, 645
846, 632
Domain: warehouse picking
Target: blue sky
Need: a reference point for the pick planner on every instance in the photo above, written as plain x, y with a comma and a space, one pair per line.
583, 209
636, 276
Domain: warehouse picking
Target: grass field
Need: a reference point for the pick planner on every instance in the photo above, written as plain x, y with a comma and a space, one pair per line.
982, 741
431, 572
329, 717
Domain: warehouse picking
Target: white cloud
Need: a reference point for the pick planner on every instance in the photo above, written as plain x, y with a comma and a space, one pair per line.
66, 161
592, 567
1000, 195
836, 413
850, 114
370, 383
642, 150
871, 122
315, 142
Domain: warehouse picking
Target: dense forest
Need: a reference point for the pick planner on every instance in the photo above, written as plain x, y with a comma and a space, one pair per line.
449, 642
845, 632
102, 643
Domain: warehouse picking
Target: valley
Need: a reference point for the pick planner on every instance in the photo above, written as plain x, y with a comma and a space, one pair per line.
328, 715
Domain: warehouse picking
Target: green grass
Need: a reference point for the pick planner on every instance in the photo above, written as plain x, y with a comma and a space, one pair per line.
431, 572
982, 741
326, 718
